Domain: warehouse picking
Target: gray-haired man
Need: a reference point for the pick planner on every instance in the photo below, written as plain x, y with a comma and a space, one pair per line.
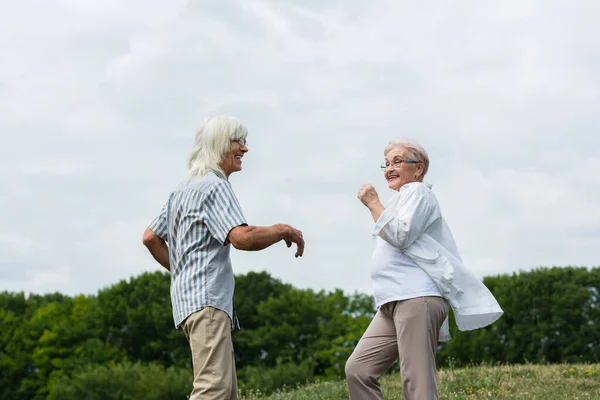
199, 221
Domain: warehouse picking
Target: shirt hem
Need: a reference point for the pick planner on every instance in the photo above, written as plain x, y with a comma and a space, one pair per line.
407, 297
179, 325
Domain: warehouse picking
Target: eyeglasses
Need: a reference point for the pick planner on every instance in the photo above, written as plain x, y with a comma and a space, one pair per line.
242, 142
397, 163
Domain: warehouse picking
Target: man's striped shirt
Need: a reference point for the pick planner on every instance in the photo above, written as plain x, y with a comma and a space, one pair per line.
195, 223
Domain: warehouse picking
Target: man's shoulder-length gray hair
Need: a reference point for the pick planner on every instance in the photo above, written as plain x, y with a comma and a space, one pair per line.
414, 149
212, 141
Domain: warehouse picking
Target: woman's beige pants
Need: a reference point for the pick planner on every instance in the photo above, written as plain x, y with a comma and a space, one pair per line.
408, 329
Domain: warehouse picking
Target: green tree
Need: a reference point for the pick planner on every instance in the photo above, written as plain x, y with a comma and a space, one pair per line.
65, 334
15, 355
136, 316
301, 324
550, 315
124, 381
251, 291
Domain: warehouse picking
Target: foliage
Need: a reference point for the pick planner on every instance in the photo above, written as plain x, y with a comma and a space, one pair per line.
136, 317
280, 322
531, 382
50, 342
54, 336
282, 375
550, 315
124, 381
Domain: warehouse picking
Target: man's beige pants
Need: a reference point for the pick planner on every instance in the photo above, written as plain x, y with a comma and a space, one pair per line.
409, 329
209, 334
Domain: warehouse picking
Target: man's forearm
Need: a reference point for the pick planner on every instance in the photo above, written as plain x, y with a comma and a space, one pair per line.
160, 251
257, 238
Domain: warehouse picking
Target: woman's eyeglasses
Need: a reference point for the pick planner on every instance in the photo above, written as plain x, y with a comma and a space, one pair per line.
397, 163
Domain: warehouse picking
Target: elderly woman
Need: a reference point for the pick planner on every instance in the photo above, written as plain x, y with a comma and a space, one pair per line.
200, 220
417, 274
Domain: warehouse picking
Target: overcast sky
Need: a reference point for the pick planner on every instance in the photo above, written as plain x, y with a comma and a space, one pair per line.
100, 100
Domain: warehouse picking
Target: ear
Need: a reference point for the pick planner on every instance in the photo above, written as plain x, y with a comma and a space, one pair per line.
420, 168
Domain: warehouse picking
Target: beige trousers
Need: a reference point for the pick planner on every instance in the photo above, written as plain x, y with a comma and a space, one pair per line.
409, 329
209, 334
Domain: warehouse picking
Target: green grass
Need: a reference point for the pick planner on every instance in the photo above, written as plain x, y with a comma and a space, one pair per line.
531, 382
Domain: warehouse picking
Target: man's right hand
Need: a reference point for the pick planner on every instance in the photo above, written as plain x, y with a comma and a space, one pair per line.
255, 238
293, 235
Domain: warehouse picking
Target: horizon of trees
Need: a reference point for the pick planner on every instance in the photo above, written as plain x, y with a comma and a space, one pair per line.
122, 342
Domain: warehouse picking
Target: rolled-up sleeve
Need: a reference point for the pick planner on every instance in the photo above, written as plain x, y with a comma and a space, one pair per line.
222, 211
159, 224
403, 223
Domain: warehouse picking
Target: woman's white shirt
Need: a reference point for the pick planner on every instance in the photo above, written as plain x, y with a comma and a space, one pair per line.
395, 276
412, 223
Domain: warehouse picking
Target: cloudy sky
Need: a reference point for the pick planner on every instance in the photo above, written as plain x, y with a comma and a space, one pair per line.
100, 100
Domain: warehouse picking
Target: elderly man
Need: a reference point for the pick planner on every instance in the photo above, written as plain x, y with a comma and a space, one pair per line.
417, 274
201, 218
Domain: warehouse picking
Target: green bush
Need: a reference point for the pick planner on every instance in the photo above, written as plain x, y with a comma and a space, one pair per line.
283, 375
124, 381
550, 315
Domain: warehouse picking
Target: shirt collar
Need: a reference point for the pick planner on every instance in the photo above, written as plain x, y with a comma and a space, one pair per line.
429, 185
219, 174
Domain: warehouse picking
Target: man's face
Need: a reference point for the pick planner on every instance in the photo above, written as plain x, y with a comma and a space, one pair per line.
232, 160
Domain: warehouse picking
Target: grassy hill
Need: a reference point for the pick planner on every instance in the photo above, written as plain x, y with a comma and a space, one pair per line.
531, 382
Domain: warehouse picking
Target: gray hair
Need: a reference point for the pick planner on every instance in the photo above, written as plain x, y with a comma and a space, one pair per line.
212, 141
416, 151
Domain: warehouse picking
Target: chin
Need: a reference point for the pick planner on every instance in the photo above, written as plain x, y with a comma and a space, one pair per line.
394, 186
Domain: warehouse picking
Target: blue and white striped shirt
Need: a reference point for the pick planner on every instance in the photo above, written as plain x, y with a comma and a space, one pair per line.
195, 223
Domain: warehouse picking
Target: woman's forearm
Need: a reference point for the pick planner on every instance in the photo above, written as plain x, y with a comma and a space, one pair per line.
376, 210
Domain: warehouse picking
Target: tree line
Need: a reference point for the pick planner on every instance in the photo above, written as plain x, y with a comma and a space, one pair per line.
121, 343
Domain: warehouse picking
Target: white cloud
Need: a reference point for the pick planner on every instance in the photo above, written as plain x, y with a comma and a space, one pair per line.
19, 243
51, 167
101, 101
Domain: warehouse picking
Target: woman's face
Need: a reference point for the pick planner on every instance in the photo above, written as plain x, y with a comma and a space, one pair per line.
232, 160
400, 170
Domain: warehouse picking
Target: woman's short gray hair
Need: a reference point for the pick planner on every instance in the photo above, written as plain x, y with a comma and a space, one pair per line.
416, 151
212, 141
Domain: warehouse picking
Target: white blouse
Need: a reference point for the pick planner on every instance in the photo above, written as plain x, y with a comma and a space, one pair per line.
395, 276
412, 222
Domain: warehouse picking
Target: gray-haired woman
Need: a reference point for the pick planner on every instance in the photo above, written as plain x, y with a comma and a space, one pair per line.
417, 274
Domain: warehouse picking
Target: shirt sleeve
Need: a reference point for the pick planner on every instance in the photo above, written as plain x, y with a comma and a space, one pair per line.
402, 224
159, 223
222, 211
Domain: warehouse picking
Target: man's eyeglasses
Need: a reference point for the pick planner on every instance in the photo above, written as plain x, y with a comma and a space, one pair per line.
397, 163
242, 142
